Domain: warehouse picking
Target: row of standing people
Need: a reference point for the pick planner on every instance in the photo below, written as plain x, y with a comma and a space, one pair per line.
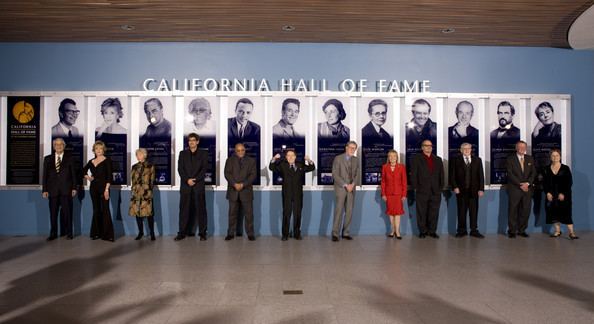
60, 185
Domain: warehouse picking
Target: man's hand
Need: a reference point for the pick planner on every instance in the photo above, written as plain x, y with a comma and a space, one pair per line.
306, 158
524, 186
456, 190
350, 187
45, 194
276, 157
238, 186
88, 177
106, 195
191, 182
481, 193
73, 193
549, 196
561, 197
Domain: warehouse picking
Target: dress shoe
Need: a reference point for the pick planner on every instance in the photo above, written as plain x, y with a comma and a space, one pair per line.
251, 238
433, 235
203, 237
139, 236
422, 235
229, 237
334, 238
191, 234
109, 239
51, 238
94, 238
461, 234
153, 237
347, 237
179, 237
69, 237
477, 234
524, 234
284, 238
298, 237
511, 235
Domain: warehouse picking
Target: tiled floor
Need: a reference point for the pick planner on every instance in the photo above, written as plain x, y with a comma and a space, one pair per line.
369, 280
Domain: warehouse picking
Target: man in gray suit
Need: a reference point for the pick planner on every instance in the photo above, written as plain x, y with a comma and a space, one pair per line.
521, 173
345, 170
240, 172
68, 114
427, 180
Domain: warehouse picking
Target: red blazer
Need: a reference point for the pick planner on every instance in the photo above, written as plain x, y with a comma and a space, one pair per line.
394, 183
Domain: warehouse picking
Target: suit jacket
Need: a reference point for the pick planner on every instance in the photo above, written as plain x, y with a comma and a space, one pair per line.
282, 129
424, 181
428, 132
515, 176
252, 130
292, 180
458, 175
369, 134
345, 172
190, 167
510, 135
58, 131
394, 183
245, 173
62, 183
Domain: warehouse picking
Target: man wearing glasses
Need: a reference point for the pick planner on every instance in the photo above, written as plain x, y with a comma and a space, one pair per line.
374, 132
68, 114
427, 180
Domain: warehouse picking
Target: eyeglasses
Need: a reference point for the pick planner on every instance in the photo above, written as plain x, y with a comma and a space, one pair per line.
378, 114
72, 112
427, 145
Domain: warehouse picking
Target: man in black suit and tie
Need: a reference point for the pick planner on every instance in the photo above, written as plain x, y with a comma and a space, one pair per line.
192, 165
293, 173
241, 129
59, 184
374, 132
427, 179
240, 172
467, 179
521, 173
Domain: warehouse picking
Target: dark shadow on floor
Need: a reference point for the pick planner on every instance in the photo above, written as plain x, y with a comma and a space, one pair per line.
568, 291
21, 250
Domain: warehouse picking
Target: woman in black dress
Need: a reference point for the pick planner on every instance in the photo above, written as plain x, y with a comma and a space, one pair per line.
100, 178
557, 183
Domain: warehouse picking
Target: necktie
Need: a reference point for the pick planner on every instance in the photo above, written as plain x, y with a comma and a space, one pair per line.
522, 163
466, 160
70, 133
241, 131
58, 164
293, 167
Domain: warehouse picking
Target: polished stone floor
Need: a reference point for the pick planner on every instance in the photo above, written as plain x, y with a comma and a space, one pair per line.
371, 279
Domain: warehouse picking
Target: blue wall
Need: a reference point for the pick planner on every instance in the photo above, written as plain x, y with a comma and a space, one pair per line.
102, 66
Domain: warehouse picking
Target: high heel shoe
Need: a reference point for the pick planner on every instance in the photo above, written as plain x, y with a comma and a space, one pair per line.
153, 237
391, 235
398, 237
556, 234
572, 236
139, 236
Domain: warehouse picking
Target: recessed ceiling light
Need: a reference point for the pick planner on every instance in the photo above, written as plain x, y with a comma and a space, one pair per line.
288, 28
448, 30
128, 27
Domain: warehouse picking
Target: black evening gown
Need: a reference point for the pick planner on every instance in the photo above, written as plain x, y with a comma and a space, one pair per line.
558, 211
101, 226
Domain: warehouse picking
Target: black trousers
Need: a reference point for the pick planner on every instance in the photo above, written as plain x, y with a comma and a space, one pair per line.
62, 206
519, 210
467, 204
192, 205
247, 206
140, 224
101, 226
427, 212
292, 204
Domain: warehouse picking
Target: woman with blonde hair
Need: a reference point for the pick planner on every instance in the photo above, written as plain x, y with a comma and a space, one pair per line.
100, 177
141, 198
394, 191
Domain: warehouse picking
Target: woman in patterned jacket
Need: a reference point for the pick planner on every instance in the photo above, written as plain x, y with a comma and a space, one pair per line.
141, 200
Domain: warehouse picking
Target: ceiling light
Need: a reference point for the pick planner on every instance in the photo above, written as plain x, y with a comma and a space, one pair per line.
288, 28
128, 27
448, 30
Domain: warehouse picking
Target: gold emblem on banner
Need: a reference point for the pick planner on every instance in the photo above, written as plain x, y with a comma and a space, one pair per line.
23, 112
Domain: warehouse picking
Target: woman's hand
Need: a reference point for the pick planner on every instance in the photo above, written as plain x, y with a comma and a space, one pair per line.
561, 197
88, 177
106, 194
537, 128
384, 198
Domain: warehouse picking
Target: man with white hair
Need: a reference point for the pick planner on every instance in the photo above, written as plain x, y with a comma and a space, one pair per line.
59, 184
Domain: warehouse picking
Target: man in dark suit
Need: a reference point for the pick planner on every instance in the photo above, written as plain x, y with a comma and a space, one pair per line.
427, 179
192, 165
293, 173
241, 129
59, 184
240, 172
467, 180
345, 172
374, 132
521, 173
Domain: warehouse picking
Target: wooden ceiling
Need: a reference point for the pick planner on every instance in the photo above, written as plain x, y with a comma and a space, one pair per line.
476, 22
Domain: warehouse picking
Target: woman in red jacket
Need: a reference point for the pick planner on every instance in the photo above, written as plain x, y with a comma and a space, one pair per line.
394, 191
